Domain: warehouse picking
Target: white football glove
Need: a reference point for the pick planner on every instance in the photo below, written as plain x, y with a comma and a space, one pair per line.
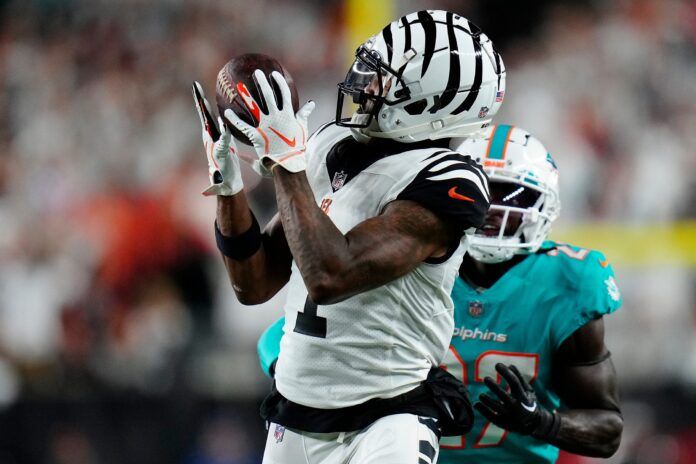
281, 136
223, 163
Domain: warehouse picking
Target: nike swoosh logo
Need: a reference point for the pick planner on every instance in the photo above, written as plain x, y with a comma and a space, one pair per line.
249, 101
604, 263
290, 143
453, 194
531, 408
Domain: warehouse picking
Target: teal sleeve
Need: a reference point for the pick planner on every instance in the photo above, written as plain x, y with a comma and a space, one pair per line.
597, 294
601, 294
268, 345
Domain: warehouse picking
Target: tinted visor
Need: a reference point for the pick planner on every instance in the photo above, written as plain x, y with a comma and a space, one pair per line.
502, 222
368, 82
515, 195
364, 76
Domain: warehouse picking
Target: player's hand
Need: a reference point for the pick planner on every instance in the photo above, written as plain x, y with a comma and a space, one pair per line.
223, 163
516, 410
281, 135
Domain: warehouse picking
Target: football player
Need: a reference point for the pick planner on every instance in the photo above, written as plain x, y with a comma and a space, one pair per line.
374, 215
529, 331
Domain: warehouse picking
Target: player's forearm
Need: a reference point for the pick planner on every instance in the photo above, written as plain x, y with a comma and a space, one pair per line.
233, 214
256, 278
318, 247
589, 432
586, 381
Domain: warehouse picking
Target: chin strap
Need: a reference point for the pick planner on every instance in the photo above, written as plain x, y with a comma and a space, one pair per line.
359, 136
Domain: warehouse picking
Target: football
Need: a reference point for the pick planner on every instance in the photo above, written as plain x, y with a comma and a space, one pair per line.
239, 73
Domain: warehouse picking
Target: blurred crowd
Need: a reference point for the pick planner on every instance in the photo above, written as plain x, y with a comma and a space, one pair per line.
610, 91
110, 285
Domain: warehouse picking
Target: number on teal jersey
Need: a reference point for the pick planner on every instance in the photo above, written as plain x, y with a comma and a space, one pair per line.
522, 320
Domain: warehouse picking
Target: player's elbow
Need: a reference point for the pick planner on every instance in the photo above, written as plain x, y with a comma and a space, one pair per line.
253, 297
609, 449
324, 290
321, 293
614, 426
250, 292
249, 300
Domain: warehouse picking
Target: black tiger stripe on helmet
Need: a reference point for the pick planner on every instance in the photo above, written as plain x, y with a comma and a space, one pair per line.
476, 85
407, 40
429, 29
452, 85
447, 80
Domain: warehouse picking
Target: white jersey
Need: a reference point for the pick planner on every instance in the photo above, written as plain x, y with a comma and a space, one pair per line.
382, 342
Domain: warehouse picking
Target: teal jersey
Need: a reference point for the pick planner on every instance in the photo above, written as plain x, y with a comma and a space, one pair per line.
522, 320
268, 346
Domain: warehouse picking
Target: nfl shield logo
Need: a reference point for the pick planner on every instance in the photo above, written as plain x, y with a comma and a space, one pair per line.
475, 308
338, 180
483, 112
279, 433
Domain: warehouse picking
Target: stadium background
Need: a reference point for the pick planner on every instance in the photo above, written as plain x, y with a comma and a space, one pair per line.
120, 339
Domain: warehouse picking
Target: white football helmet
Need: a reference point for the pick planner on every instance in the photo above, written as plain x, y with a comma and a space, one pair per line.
523, 182
428, 75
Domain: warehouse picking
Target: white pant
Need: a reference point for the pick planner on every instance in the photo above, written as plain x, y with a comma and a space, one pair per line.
396, 439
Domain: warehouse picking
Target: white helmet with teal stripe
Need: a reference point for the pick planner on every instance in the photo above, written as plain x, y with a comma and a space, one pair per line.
523, 181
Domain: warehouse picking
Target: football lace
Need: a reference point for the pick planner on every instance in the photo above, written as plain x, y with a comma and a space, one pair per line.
224, 86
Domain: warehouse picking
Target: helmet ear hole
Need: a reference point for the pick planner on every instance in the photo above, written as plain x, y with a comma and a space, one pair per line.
416, 107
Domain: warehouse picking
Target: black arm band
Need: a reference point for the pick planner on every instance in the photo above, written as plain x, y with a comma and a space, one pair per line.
243, 245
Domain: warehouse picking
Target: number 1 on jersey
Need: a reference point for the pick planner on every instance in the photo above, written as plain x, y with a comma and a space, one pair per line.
308, 323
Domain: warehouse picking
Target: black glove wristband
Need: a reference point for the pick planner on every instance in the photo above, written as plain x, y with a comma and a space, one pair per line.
241, 246
548, 427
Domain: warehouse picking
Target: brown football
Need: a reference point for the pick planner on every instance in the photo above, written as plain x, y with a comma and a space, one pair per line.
240, 70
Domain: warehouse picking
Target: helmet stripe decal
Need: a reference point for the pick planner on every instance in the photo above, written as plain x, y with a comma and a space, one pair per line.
490, 141
387, 34
407, 41
430, 34
478, 73
453, 79
497, 146
497, 64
